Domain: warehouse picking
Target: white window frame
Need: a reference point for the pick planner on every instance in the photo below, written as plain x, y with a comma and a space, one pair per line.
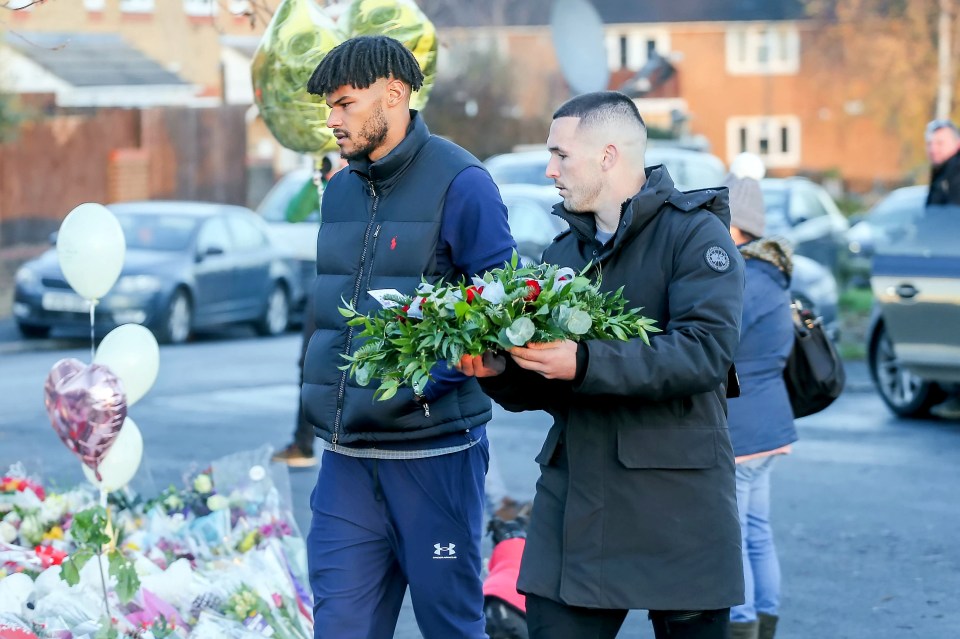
239, 7
96, 6
755, 127
763, 49
636, 46
200, 8
137, 6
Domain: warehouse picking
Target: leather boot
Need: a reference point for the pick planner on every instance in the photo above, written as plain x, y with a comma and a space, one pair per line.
744, 629
767, 625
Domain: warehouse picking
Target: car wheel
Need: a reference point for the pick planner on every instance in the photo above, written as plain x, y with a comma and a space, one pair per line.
905, 393
178, 322
276, 316
31, 331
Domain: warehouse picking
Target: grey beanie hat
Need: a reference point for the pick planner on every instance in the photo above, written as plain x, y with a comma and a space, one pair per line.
746, 205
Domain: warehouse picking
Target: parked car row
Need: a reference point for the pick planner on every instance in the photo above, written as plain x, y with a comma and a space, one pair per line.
188, 266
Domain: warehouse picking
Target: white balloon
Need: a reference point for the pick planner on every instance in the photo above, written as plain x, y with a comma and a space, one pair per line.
748, 165
131, 353
91, 248
122, 460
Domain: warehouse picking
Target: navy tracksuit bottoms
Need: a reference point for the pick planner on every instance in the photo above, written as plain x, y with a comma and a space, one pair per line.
380, 525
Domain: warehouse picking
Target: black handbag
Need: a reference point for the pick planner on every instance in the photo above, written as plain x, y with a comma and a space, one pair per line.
814, 373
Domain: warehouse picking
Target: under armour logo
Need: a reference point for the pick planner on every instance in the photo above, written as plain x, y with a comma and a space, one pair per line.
445, 552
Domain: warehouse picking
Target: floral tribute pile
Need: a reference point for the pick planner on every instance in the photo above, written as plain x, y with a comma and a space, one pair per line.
219, 558
508, 307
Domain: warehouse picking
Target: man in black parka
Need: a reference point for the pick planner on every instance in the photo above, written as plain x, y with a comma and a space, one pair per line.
635, 506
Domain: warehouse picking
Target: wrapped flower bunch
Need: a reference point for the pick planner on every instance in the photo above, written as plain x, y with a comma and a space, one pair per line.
507, 307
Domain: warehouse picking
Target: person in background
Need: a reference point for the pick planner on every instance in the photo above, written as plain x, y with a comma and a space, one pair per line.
399, 499
943, 150
635, 507
299, 453
760, 419
943, 145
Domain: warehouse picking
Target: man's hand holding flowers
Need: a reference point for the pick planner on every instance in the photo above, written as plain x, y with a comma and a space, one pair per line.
553, 360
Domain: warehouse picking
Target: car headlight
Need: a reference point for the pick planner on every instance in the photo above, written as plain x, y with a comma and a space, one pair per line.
138, 284
26, 277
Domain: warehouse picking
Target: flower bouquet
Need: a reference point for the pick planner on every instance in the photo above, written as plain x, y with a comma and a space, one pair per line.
508, 307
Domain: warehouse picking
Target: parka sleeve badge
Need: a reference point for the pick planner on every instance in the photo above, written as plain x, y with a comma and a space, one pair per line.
717, 259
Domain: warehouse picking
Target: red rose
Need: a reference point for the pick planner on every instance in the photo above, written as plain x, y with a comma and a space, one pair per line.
404, 308
50, 556
533, 290
473, 292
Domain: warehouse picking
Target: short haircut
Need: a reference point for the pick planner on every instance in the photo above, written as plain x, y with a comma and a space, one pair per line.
601, 107
359, 62
935, 125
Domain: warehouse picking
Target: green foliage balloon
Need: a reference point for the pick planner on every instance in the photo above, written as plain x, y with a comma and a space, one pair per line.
296, 40
404, 21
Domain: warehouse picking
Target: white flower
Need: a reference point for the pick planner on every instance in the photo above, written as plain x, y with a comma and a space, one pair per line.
424, 288
7, 532
416, 308
563, 277
13, 518
217, 502
31, 531
53, 509
493, 292
203, 484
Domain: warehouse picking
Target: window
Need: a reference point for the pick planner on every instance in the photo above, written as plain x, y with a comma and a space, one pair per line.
246, 236
760, 50
631, 49
94, 5
200, 8
239, 7
804, 206
213, 237
776, 139
136, 6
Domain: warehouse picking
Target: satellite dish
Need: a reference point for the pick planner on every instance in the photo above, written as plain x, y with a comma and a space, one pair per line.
578, 39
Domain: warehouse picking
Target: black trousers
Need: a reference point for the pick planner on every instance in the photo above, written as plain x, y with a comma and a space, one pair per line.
548, 619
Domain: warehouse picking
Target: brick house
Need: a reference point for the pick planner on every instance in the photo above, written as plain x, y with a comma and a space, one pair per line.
744, 74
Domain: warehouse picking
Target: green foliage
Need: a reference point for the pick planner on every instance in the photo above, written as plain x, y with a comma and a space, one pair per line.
508, 307
89, 533
12, 115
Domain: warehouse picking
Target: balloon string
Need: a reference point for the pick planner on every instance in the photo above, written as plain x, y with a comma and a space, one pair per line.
93, 307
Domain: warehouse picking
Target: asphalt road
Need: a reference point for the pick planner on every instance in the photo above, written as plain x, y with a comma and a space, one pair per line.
865, 510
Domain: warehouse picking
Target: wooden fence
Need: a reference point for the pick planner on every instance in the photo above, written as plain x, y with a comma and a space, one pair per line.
112, 155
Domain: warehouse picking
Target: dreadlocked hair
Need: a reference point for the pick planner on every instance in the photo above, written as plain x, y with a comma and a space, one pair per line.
361, 61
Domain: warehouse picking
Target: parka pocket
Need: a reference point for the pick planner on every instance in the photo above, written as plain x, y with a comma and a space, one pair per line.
667, 448
549, 449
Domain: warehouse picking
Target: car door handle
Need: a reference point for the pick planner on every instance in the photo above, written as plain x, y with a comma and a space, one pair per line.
906, 291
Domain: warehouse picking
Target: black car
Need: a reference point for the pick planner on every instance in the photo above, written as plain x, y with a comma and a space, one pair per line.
188, 265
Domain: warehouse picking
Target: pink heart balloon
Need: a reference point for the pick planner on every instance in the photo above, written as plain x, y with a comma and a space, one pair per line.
87, 407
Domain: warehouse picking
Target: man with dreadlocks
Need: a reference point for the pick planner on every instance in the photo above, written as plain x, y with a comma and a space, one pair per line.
400, 494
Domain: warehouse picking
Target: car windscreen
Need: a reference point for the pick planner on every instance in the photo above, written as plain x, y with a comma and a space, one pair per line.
292, 199
775, 203
931, 231
514, 172
157, 232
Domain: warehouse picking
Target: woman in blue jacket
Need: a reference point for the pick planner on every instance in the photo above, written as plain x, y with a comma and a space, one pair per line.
760, 420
